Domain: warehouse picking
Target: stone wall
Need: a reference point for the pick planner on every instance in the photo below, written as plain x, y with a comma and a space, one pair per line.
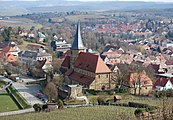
102, 82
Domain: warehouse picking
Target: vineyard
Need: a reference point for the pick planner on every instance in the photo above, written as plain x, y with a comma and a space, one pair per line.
83, 113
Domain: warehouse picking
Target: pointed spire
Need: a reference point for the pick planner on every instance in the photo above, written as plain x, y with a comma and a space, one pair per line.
78, 43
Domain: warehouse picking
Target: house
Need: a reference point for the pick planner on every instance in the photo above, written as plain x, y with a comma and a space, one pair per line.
34, 47
41, 36
60, 45
11, 58
163, 84
86, 69
169, 64
136, 81
11, 48
29, 57
70, 91
10, 52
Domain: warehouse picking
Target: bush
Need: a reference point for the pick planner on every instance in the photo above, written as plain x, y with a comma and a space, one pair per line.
121, 90
92, 91
96, 92
138, 111
60, 104
23, 103
138, 105
101, 100
37, 107
150, 108
164, 93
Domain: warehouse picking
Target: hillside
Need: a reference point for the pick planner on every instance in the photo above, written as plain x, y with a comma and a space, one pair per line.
86, 113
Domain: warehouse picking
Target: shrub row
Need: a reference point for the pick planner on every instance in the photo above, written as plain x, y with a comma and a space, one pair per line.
167, 93
96, 92
137, 105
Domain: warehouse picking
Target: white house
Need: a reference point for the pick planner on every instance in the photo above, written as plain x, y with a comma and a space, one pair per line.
164, 84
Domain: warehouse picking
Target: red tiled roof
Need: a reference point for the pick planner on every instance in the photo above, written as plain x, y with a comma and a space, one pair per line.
133, 77
169, 62
91, 62
161, 82
33, 46
155, 67
70, 71
11, 58
66, 62
105, 53
81, 78
8, 49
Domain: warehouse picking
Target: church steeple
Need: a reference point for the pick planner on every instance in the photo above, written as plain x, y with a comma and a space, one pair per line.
77, 46
78, 43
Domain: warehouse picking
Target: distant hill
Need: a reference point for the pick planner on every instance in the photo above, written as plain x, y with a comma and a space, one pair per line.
62, 6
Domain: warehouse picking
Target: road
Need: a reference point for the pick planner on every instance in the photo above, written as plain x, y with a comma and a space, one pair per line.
27, 79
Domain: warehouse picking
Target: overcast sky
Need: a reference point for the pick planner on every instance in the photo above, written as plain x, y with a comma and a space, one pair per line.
131, 0
100, 0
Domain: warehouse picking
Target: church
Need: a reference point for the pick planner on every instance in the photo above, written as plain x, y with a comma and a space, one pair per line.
86, 69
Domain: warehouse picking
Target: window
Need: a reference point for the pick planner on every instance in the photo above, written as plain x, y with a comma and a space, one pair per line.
107, 76
145, 82
99, 76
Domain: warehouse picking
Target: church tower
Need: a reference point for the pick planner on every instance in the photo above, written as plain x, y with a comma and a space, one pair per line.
77, 46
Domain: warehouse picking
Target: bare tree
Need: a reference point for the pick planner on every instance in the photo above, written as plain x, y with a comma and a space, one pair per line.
51, 91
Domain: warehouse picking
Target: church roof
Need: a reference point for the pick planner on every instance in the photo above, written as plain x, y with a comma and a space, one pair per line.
78, 43
66, 62
81, 78
91, 62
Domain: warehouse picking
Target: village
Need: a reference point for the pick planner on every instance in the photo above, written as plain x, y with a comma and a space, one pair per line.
125, 64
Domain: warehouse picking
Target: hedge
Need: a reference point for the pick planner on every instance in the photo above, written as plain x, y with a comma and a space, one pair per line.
19, 100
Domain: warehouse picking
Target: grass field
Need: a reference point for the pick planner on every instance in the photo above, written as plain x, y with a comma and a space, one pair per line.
22, 22
6, 102
23, 46
83, 113
75, 18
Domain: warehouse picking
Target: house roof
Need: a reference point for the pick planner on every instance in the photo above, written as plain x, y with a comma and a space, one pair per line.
143, 77
78, 43
155, 67
33, 46
161, 82
66, 62
28, 54
91, 62
169, 62
9, 49
11, 58
108, 47
81, 78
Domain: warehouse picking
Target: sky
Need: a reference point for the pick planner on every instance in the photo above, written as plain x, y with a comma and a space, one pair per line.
101, 0
131, 0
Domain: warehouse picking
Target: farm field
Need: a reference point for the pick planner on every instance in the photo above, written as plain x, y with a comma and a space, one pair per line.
83, 113
22, 22
6, 102
75, 18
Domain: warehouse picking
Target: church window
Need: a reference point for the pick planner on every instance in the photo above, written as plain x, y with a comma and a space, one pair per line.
107, 76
